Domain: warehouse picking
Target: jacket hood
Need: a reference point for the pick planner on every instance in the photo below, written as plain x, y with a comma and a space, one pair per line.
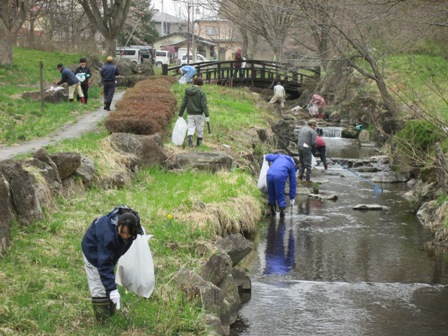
192, 91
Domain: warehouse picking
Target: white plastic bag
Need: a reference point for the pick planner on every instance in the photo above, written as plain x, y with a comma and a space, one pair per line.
183, 80
262, 179
135, 269
313, 110
179, 132
313, 161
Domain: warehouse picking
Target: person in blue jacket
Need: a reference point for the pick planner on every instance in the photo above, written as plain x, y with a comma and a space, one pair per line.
106, 240
109, 73
188, 71
74, 84
281, 167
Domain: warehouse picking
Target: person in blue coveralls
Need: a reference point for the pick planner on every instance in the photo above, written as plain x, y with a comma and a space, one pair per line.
281, 168
188, 71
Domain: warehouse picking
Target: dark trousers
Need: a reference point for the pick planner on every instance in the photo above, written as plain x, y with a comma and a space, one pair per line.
109, 90
240, 71
321, 151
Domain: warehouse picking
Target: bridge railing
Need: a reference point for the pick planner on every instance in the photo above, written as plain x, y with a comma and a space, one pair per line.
254, 70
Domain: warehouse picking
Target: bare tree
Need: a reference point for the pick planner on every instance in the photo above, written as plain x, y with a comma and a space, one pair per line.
12, 16
108, 17
270, 20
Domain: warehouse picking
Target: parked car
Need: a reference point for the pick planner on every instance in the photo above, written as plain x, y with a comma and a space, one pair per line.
162, 57
199, 58
148, 52
136, 55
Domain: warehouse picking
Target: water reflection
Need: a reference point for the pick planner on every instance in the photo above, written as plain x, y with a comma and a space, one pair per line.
280, 248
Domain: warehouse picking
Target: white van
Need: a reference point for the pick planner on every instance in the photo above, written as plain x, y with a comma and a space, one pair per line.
162, 57
134, 54
199, 58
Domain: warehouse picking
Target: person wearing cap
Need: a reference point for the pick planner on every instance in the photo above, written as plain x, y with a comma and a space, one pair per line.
109, 73
85, 77
279, 95
74, 84
306, 143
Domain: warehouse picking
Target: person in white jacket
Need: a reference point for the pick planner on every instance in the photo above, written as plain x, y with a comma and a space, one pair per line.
279, 95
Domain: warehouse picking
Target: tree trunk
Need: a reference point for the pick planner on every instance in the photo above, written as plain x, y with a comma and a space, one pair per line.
6, 52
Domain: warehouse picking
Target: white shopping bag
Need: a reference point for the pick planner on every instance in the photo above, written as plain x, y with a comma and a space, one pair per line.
179, 132
262, 179
313, 110
135, 269
183, 80
313, 161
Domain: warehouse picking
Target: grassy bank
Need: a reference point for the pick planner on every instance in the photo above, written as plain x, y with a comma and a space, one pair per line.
44, 289
24, 120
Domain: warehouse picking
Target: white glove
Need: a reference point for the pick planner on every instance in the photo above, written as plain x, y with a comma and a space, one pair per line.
207, 119
114, 296
292, 202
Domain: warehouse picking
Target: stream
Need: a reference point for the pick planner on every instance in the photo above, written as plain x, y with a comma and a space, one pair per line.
326, 269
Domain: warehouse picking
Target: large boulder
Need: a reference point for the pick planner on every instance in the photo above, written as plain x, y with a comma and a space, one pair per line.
23, 188
147, 149
6, 218
67, 163
212, 162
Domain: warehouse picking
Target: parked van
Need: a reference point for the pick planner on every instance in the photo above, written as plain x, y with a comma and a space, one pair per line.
199, 58
148, 52
162, 57
134, 54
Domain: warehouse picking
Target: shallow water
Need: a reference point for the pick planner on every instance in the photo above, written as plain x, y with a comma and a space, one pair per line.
326, 269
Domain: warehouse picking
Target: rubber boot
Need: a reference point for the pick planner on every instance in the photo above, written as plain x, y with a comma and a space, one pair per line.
198, 141
282, 212
107, 107
301, 173
83, 100
308, 175
272, 209
326, 166
70, 100
190, 141
103, 308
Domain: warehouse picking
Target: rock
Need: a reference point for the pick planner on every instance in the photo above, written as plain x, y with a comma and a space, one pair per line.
216, 268
7, 212
86, 170
368, 207
22, 186
236, 246
66, 162
148, 149
364, 136
50, 96
212, 162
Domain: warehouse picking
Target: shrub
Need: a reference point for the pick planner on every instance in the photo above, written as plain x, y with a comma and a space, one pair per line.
144, 109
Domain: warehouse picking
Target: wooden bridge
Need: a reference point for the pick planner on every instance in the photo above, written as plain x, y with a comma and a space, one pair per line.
260, 74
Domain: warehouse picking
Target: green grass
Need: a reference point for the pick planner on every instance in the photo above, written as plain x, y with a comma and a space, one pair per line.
24, 120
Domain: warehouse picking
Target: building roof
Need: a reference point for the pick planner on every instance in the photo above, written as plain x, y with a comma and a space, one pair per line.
164, 17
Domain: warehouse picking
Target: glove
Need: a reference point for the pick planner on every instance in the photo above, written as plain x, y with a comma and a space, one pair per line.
114, 296
207, 119
292, 202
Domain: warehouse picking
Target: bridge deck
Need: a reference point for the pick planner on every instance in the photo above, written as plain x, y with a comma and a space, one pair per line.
257, 73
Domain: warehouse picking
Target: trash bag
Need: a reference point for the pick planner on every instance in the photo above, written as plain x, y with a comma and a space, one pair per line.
179, 132
262, 179
313, 161
135, 269
313, 110
183, 80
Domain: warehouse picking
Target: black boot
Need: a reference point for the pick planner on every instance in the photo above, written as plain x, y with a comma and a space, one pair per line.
190, 141
70, 100
282, 212
198, 141
108, 106
103, 308
272, 209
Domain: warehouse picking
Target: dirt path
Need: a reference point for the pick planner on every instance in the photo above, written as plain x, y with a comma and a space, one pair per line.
86, 123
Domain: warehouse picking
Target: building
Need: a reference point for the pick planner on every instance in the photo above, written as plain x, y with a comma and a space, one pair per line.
166, 24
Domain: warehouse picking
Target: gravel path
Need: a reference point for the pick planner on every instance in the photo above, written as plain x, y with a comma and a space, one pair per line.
86, 123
